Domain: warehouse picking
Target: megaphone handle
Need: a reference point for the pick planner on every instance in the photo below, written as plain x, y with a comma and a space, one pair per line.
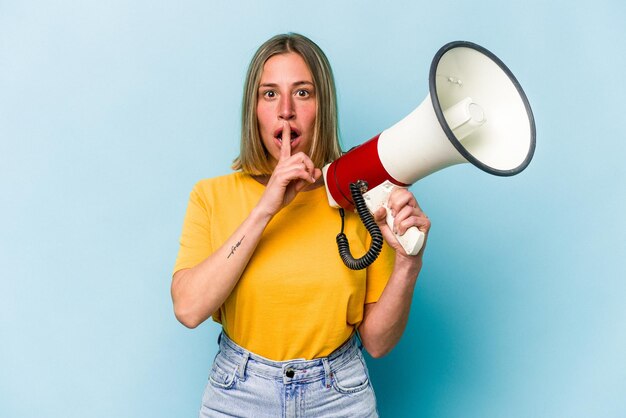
412, 240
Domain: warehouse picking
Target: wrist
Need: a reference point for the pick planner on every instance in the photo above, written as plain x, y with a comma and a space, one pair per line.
260, 216
408, 266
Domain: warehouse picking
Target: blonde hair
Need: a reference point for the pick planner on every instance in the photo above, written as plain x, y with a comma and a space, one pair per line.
253, 157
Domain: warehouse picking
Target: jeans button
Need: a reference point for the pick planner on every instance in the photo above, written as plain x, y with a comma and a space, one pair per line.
290, 373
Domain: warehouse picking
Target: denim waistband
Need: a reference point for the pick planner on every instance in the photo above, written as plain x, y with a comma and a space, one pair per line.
296, 370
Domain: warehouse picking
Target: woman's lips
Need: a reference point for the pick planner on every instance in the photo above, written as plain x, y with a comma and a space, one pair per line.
295, 133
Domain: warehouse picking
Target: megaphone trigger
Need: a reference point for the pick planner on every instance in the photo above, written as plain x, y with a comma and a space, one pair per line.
413, 239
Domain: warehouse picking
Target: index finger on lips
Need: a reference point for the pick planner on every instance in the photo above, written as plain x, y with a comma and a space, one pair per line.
285, 145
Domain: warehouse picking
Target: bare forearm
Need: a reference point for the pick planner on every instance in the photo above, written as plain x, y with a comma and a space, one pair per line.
384, 321
198, 292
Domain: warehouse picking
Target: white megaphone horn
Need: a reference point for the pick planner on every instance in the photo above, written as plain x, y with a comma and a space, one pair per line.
476, 112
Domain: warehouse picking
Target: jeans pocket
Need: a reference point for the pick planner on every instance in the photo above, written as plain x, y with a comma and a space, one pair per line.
351, 377
222, 378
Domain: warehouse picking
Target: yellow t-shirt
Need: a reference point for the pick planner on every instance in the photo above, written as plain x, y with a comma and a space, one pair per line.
295, 299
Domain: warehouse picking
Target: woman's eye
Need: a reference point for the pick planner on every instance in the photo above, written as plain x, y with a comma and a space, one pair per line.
270, 94
303, 93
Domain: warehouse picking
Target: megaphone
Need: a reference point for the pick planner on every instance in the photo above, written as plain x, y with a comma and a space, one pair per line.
476, 112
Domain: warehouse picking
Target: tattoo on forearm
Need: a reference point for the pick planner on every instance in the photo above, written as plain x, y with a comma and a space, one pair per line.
234, 247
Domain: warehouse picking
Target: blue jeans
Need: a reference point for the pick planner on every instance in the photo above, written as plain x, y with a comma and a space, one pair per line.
243, 384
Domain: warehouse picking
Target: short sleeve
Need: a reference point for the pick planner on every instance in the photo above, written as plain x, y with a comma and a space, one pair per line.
195, 239
378, 274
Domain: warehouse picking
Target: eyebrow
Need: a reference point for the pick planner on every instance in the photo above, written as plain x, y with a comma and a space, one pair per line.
297, 83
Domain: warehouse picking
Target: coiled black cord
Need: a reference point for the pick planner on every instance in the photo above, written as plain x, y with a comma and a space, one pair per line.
371, 226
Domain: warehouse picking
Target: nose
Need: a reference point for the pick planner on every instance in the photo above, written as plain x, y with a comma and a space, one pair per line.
286, 109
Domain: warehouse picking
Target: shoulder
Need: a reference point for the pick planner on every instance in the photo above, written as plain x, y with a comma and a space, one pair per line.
214, 189
227, 181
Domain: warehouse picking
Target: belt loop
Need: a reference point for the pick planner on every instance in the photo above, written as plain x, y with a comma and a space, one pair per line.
241, 370
219, 338
328, 375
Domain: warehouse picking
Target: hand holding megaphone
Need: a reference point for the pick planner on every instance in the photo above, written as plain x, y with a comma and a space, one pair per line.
475, 112
412, 240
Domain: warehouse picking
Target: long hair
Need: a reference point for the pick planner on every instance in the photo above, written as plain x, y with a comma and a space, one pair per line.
253, 157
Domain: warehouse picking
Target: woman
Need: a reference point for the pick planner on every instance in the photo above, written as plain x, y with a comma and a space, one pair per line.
258, 255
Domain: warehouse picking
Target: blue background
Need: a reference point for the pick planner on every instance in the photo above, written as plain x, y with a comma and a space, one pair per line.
110, 111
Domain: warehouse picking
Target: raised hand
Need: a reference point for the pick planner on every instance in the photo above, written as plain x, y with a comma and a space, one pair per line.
292, 174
